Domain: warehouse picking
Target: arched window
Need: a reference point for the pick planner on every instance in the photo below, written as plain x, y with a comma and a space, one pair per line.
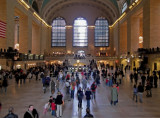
80, 37
58, 32
35, 6
125, 5
101, 32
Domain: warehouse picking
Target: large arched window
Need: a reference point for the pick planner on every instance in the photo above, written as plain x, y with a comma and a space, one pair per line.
58, 32
101, 32
125, 5
80, 37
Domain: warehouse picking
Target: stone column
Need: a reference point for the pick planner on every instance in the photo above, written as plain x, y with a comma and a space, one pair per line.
10, 23
135, 32
129, 35
146, 24
69, 38
29, 33
91, 41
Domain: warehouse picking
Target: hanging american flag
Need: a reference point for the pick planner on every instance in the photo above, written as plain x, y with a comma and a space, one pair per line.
2, 29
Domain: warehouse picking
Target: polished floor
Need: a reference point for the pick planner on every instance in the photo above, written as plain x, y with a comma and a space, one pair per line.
22, 95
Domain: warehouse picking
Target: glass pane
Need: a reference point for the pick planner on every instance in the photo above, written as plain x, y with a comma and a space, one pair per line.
58, 32
101, 32
80, 32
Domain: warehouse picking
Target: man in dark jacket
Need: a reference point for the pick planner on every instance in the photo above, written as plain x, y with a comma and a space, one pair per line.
140, 91
80, 97
11, 114
59, 103
28, 113
88, 97
88, 115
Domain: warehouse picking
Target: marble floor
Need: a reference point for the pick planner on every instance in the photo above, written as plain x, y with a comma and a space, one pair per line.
21, 96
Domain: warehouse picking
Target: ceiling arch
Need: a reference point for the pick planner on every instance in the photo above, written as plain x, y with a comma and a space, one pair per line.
113, 1
51, 10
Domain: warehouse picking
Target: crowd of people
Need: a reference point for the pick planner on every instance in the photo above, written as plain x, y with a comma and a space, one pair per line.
77, 85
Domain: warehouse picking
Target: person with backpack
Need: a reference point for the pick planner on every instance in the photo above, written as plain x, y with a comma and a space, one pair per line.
93, 89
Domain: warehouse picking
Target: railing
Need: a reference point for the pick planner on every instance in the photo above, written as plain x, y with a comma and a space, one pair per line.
29, 57
149, 50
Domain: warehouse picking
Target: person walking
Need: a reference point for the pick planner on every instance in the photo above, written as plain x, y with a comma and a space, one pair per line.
88, 115
114, 94
29, 113
84, 83
11, 113
5, 84
155, 80
72, 89
88, 97
80, 97
59, 103
148, 89
52, 86
46, 107
143, 78
53, 106
93, 88
77, 81
135, 92
140, 92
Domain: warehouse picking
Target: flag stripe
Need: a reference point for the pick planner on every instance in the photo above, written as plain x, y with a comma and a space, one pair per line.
2, 29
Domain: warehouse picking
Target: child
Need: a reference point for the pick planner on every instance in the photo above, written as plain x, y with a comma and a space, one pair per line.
135, 92
107, 82
53, 106
46, 106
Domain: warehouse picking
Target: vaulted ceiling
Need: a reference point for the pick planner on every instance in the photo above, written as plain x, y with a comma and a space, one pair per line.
49, 9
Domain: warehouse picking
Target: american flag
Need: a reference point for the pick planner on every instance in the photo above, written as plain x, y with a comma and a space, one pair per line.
2, 29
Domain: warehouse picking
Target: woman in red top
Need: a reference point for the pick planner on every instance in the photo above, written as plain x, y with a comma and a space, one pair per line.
53, 106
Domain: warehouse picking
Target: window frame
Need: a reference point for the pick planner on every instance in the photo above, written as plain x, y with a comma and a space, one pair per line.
77, 33
61, 18
107, 40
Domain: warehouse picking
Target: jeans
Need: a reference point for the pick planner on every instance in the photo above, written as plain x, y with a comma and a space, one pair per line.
93, 94
88, 103
80, 103
53, 112
72, 94
140, 96
135, 95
